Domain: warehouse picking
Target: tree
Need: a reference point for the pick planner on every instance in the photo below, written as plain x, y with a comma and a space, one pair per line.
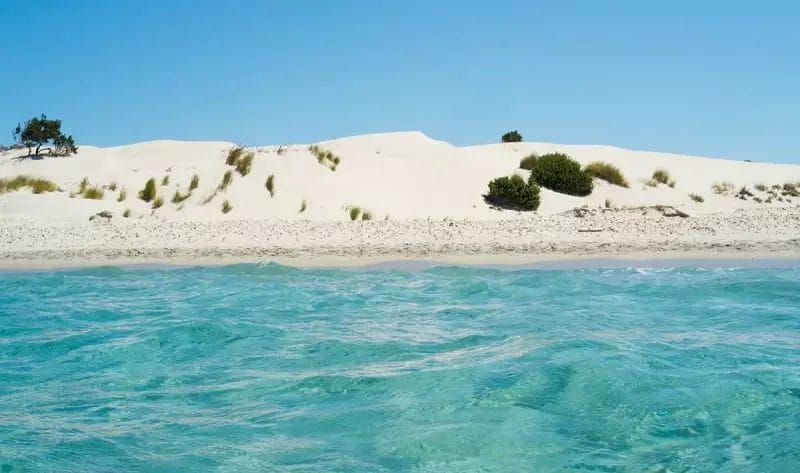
512, 137
40, 132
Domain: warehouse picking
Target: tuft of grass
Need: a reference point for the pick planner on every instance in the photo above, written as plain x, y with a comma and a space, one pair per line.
226, 207
165, 180
178, 197
791, 189
609, 204
661, 176
149, 192
529, 162
112, 187
303, 206
195, 182
245, 163
607, 172
652, 183
35, 184
270, 185
761, 187
354, 212
227, 178
697, 198
722, 188
93, 193
158, 203
126, 213
366, 215
233, 155
671, 183
325, 157
123, 194
84, 184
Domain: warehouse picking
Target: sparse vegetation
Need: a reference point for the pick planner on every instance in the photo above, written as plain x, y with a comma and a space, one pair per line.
697, 198
245, 163
366, 215
149, 192
233, 155
791, 189
761, 187
513, 193
661, 176
722, 188
609, 204
303, 206
93, 193
83, 185
165, 180
528, 162
194, 183
270, 184
123, 194
671, 184
354, 212
227, 178
126, 213
607, 172
511, 137
226, 207
325, 157
35, 184
158, 202
560, 173
652, 183
112, 187
179, 197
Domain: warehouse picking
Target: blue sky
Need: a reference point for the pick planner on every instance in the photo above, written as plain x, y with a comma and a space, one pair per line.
710, 78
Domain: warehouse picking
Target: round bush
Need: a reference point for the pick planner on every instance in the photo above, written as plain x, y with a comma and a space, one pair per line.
560, 173
513, 193
512, 137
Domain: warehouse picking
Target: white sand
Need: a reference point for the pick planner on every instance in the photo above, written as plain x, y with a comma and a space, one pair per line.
430, 192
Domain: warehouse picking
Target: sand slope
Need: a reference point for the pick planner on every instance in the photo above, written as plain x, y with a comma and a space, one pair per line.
399, 176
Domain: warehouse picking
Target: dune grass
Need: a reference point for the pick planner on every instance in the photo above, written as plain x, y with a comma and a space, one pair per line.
179, 197
245, 163
149, 192
303, 206
123, 194
112, 187
126, 213
722, 188
165, 180
270, 185
697, 198
233, 155
35, 184
661, 176
227, 178
194, 183
354, 212
158, 203
607, 172
325, 157
226, 207
93, 193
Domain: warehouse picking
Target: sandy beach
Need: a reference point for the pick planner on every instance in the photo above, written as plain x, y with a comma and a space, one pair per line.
424, 198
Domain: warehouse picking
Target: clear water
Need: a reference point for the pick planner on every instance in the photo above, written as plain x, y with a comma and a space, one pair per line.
267, 368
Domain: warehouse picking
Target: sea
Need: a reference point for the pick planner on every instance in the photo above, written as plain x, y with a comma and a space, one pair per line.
269, 368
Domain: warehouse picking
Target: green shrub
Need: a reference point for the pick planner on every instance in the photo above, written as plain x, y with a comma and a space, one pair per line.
560, 173
195, 182
607, 172
227, 178
271, 184
245, 163
35, 184
233, 155
696, 198
178, 197
94, 193
226, 207
661, 176
158, 202
513, 193
149, 192
512, 137
528, 162
354, 212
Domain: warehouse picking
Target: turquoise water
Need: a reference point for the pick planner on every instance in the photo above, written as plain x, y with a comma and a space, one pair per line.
267, 368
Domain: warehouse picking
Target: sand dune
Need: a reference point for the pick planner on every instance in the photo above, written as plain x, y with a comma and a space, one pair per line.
397, 176
431, 192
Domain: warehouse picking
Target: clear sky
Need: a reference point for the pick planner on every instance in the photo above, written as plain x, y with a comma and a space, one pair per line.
714, 78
